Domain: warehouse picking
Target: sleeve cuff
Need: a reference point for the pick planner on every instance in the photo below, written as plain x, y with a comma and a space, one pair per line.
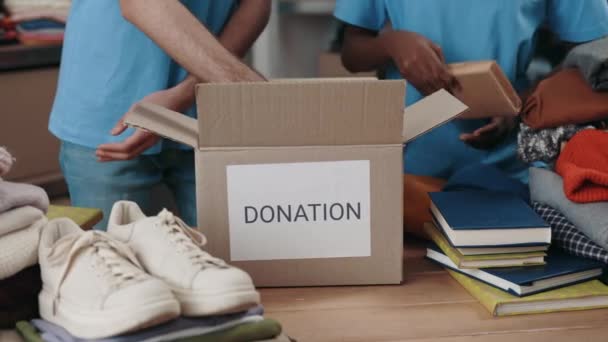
358, 21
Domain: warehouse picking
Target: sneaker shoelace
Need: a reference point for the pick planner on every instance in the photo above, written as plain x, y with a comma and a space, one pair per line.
187, 240
120, 264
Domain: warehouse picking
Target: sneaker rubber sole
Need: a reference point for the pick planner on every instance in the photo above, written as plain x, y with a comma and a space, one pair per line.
199, 303
97, 324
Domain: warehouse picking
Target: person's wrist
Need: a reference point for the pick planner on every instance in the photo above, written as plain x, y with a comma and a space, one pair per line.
246, 74
385, 40
182, 95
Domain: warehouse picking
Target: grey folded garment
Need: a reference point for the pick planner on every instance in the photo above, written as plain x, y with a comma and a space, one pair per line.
591, 219
15, 195
544, 144
592, 60
18, 218
171, 331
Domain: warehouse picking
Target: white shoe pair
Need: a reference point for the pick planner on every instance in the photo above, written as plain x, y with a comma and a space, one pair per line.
142, 272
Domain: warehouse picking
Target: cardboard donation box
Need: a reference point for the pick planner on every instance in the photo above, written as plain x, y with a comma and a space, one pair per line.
299, 182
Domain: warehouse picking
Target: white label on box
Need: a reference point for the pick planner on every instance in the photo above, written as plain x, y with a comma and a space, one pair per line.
299, 210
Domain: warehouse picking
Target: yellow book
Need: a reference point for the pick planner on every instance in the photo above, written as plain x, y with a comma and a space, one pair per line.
584, 296
84, 217
482, 260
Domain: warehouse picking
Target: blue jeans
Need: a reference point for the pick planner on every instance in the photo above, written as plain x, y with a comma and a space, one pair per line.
98, 185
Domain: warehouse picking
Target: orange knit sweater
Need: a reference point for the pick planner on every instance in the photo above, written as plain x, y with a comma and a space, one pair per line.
584, 166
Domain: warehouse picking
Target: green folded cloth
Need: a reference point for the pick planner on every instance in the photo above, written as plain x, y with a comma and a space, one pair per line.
28, 332
248, 332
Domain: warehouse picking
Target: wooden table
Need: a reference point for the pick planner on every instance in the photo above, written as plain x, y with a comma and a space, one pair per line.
429, 306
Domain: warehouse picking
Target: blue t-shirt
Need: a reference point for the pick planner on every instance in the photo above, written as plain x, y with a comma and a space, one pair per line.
468, 30
108, 64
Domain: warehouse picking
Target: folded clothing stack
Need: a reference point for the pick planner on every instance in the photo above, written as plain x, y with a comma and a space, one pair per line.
19, 235
22, 5
41, 7
41, 22
546, 187
565, 103
40, 32
246, 326
8, 33
22, 208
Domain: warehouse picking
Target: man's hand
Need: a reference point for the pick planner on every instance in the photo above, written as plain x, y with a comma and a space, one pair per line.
420, 61
491, 134
141, 140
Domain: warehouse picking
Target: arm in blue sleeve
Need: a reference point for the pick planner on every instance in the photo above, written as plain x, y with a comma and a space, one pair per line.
368, 14
579, 20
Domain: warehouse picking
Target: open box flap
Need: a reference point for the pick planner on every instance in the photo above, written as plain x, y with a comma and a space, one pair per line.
301, 112
430, 112
164, 122
417, 119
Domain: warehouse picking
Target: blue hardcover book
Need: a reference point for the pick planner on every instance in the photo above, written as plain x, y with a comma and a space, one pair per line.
483, 218
560, 270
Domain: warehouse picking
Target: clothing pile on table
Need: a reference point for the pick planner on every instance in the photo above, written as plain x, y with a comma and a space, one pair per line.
246, 326
44, 22
22, 217
564, 134
40, 32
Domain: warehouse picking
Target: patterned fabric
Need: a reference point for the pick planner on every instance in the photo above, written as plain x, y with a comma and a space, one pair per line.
566, 236
544, 144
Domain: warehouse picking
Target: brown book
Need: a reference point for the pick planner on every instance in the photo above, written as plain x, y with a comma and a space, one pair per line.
485, 90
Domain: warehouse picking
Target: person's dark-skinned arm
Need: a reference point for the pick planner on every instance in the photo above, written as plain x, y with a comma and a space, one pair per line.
498, 128
240, 32
419, 60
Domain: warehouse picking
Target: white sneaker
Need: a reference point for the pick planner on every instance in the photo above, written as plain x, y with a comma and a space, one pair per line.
93, 285
170, 250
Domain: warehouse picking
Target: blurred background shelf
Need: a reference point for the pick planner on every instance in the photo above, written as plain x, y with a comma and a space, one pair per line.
14, 57
310, 7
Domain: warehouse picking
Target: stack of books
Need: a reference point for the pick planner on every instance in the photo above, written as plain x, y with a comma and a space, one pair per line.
497, 247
